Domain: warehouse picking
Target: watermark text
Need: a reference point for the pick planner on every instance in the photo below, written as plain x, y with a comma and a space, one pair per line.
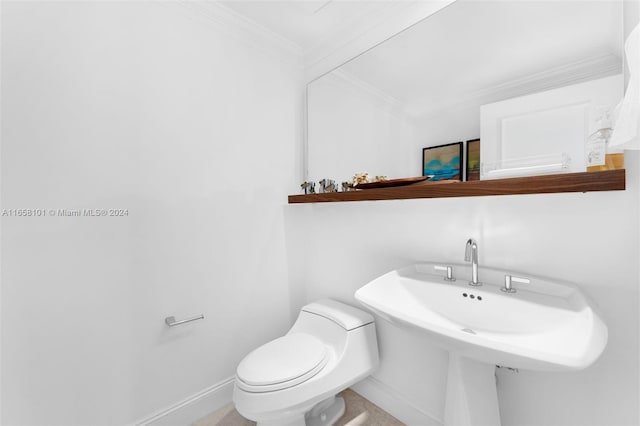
58, 212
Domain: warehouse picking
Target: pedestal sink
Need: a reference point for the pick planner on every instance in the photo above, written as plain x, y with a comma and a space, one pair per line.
544, 325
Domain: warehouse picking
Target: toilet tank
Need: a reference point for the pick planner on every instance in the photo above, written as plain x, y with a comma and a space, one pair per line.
334, 323
347, 317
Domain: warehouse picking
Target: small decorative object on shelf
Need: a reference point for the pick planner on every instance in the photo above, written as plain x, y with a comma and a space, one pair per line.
308, 187
443, 161
380, 178
347, 186
328, 185
359, 178
473, 160
600, 156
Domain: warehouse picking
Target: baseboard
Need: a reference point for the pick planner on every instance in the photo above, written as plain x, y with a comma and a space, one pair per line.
194, 407
394, 403
214, 397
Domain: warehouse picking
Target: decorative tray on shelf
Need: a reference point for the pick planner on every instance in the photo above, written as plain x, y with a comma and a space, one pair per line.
392, 182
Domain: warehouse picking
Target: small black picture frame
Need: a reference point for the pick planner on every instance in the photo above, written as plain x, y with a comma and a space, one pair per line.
443, 162
472, 160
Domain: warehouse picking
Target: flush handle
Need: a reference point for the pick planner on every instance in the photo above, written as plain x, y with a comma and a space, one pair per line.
448, 269
509, 279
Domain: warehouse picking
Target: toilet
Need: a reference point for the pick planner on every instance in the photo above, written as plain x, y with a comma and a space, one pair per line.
294, 380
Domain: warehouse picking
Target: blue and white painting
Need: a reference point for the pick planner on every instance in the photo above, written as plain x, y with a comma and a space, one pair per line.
443, 162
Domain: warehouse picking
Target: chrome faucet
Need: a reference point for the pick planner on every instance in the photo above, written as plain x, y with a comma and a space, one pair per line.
471, 255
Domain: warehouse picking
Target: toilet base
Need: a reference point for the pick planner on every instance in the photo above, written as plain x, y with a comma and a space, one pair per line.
326, 413
294, 421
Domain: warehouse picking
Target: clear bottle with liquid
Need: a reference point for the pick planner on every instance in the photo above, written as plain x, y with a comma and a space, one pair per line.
599, 155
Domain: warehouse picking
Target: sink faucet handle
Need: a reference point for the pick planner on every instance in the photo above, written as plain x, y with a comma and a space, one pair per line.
449, 270
509, 279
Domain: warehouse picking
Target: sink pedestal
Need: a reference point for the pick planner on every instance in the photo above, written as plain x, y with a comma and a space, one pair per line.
472, 397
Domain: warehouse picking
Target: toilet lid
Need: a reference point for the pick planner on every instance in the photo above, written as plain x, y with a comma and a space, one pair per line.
282, 363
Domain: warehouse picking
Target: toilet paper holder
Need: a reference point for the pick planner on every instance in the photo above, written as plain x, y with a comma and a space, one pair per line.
171, 321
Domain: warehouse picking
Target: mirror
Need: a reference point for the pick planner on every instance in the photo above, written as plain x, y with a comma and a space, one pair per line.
424, 86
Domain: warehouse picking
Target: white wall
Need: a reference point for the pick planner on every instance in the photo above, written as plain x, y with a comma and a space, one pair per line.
191, 125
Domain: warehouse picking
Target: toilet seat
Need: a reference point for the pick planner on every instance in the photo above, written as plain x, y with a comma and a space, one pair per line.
282, 363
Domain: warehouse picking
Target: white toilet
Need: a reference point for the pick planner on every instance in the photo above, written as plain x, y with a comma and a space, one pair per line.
294, 379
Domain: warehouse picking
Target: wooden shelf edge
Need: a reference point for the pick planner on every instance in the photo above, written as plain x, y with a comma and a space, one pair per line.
610, 180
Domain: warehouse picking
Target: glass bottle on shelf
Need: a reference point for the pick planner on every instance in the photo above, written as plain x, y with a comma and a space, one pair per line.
599, 155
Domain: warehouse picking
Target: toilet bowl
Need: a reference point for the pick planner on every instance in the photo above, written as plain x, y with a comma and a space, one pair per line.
294, 380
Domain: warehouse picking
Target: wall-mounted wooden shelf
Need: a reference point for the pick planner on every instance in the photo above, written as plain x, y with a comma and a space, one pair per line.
611, 180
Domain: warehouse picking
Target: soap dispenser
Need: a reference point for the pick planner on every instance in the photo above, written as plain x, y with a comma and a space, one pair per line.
599, 155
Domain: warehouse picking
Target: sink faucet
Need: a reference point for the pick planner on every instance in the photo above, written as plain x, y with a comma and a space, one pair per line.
471, 255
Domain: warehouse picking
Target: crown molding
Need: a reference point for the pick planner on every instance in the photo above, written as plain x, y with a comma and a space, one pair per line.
371, 30
573, 73
565, 75
350, 30
218, 17
349, 40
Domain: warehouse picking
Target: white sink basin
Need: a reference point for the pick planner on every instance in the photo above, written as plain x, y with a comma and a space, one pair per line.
544, 326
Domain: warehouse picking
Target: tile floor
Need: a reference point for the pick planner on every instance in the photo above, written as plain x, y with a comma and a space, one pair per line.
359, 412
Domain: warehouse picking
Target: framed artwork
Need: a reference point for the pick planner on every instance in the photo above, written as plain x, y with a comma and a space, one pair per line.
443, 162
473, 160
